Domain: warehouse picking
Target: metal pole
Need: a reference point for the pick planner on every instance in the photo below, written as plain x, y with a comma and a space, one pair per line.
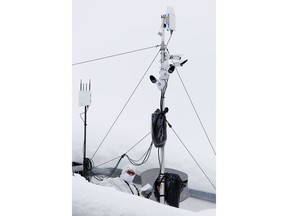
84, 156
162, 167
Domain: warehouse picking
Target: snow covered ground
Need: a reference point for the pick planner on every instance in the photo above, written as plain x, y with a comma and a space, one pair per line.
90, 200
196, 205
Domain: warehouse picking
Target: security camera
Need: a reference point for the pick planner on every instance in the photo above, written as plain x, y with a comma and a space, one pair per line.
176, 57
171, 68
153, 79
160, 83
176, 64
180, 63
183, 62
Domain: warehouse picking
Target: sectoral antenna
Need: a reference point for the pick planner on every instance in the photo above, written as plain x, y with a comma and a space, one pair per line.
85, 94
168, 21
85, 100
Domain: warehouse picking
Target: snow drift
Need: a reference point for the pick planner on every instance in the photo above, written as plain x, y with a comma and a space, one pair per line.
90, 200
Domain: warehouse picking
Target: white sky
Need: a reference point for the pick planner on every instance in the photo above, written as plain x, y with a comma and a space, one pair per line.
102, 28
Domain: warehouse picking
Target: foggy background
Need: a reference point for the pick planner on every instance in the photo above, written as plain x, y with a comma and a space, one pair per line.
105, 28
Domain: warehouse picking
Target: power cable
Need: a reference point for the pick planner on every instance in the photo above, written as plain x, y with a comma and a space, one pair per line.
138, 142
83, 62
126, 151
125, 105
108, 161
100, 177
83, 113
146, 156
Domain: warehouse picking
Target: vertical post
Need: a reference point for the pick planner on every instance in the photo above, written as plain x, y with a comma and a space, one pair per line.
85, 172
162, 167
162, 170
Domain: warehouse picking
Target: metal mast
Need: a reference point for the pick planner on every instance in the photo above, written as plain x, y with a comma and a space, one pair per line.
85, 100
159, 138
163, 90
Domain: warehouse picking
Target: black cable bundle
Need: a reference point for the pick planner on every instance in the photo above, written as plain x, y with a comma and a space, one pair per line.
146, 156
159, 128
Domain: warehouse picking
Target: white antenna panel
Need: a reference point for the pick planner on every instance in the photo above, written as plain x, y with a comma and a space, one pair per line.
85, 94
171, 25
84, 98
